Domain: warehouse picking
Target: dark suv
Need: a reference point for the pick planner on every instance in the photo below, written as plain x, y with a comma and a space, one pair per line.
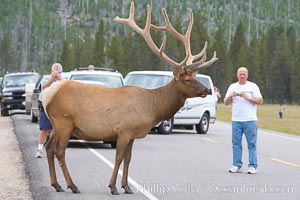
12, 90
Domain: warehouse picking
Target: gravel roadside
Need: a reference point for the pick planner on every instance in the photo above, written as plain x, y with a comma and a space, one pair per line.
13, 180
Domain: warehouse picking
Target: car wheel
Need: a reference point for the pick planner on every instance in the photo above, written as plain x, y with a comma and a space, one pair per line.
34, 119
4, 112
166, 126
203, 125
113, 144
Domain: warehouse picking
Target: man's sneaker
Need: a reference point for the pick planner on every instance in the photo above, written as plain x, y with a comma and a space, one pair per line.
252, 170
235, 169
39, 154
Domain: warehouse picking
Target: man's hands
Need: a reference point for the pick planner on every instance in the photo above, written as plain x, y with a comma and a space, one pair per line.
56, 76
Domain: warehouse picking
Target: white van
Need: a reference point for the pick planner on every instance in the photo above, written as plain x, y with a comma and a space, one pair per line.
196, 113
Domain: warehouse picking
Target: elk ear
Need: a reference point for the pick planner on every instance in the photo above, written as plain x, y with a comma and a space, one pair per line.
176, 74
190, 72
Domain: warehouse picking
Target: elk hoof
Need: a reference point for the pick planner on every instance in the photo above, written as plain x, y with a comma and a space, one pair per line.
60, 190
74, 189
113, 190
127, 189
57, 187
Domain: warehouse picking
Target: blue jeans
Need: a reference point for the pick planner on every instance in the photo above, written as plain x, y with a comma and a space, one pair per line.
249, 128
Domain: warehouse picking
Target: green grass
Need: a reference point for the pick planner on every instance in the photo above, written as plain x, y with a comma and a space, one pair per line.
268, 117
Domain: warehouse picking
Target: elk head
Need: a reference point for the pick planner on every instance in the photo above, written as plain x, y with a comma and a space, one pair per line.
184, 71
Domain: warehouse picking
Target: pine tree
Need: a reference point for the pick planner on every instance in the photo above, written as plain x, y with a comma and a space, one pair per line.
280, 83
99, 46
221, 70
87, 49
76, 52
7, 58
199, 34
292, 55
262, 57
66, 57
238, 49
297, 76
114, 52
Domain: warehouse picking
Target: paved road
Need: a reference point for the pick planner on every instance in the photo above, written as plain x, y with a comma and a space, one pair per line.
177, 166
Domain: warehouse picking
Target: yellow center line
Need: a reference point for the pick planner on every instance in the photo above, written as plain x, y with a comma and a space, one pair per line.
285, 162
210, 140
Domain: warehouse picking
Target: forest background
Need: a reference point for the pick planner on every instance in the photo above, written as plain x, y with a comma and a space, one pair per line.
264, 36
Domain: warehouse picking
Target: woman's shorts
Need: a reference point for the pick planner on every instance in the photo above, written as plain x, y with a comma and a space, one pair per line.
44, 122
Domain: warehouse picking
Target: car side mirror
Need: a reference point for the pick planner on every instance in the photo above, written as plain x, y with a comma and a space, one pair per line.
208, 91
36, 90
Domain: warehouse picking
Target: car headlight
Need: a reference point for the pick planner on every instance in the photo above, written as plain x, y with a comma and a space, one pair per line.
7, 98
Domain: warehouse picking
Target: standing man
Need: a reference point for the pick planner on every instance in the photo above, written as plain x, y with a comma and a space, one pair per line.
44, 123
280, 110
244, 96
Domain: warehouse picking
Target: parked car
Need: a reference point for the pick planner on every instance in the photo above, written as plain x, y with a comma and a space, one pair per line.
12, 90
29, 87
196, 113
111, 79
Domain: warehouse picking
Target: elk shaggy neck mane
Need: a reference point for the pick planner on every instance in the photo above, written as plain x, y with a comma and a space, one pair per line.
166, 101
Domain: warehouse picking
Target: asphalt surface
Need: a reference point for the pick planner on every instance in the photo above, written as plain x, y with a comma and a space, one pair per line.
181, 165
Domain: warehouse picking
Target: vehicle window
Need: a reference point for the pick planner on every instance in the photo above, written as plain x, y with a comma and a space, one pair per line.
19, 80
111, 81
204, 81
148, 81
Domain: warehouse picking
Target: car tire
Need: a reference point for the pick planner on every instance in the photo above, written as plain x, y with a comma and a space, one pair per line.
203, 125
4, 113
113, 144
166, 126
34, 119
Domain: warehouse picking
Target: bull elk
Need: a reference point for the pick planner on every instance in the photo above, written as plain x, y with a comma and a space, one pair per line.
124, 114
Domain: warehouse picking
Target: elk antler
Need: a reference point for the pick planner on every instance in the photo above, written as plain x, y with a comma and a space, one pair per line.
187, 62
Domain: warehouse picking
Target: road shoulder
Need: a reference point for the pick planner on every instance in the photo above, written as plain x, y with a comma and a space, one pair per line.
13, 179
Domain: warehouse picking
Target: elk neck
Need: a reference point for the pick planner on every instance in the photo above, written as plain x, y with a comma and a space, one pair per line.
167, 100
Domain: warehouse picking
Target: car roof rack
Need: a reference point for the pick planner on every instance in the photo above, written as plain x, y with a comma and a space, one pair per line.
96, 69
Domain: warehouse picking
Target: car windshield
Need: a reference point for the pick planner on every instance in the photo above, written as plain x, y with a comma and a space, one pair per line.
19, 80
111, 81
204, 81
148, 81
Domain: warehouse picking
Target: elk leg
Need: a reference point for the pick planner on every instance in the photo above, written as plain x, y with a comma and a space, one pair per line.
127, 159
50, 157
60, 155
122, 145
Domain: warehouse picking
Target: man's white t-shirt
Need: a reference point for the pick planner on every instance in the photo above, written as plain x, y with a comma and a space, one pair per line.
242, 109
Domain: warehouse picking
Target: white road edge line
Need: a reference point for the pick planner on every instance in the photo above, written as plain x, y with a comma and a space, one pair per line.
139, 187
265, 133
